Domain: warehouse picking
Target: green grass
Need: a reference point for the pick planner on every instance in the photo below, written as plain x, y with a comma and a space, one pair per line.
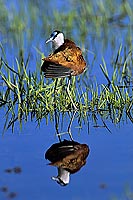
25, 94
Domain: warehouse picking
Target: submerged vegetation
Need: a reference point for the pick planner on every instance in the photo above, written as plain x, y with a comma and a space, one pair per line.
102, 28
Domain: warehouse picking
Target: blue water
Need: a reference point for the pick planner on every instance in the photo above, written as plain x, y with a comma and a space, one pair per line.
110, 163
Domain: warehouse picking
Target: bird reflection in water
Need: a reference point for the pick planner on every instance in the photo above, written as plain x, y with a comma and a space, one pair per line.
69, 157
65, 61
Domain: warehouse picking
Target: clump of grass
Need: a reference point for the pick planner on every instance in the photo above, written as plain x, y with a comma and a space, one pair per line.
26, 95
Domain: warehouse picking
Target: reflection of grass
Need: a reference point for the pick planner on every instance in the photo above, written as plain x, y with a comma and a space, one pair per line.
93, 23
128, 195
99, 19
26, 94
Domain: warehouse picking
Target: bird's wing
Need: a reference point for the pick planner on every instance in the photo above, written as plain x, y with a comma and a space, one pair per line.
55, 70
60, 150
55, 155
65, 61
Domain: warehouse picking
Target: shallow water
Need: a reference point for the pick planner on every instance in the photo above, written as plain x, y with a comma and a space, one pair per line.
109, 168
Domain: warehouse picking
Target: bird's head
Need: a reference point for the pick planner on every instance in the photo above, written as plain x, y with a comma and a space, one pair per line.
63, 177
57, 39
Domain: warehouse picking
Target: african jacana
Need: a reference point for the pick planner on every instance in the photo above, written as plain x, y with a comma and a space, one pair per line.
68, 157
65, 61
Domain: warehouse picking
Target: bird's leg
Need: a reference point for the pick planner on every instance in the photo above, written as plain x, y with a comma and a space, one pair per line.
70, 124
68, 92
56, 81
56, 125
56, 114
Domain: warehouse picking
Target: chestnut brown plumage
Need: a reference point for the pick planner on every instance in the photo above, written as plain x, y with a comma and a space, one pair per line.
68, 156
66, 60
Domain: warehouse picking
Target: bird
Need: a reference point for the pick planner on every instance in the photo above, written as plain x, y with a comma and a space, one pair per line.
65, 61
69, 157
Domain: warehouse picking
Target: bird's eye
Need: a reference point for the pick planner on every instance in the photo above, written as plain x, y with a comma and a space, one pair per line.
53, 34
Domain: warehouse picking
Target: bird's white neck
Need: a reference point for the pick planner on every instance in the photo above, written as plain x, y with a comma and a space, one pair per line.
58, 41
63, 177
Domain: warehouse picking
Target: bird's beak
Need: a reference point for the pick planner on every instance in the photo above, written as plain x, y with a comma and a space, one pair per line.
49, 40
59, 181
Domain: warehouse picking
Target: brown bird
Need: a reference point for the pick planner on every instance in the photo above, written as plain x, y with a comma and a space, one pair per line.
65, 61
68, 157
